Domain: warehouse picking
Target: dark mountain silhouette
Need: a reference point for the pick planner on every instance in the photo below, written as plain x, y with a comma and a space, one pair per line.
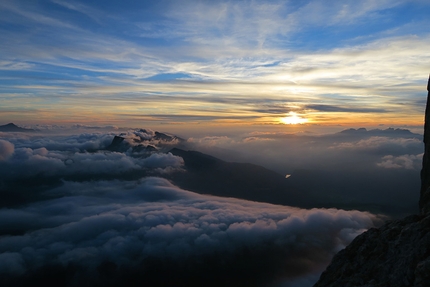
378, 132
396, 254
119, 145
14, 128
209, 175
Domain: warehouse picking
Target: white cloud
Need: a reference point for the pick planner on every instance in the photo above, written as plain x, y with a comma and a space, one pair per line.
41, 162
378, 142
212, 140
340, 12
407, 161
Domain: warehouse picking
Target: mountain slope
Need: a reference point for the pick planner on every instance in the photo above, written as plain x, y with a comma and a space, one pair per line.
208, 175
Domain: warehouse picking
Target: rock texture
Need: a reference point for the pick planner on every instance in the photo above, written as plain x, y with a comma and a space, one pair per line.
396, 254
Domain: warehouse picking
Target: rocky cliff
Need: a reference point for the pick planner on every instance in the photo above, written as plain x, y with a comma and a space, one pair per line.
425, 172
396, 254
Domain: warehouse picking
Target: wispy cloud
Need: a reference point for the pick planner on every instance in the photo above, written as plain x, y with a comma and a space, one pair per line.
232, 52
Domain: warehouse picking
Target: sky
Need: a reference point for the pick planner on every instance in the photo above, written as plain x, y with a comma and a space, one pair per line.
190, 66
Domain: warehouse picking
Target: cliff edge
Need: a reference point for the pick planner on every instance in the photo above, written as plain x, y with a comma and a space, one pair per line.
398, 253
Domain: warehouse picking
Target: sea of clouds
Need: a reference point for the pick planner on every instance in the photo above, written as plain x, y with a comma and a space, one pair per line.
74, 213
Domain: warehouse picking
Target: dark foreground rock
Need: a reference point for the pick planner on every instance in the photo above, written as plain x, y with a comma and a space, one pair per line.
396, 255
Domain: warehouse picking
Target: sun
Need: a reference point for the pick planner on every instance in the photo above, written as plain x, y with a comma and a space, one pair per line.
293, 119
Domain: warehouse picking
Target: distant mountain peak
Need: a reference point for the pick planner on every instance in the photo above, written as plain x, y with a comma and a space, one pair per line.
143, 140
11, 127
352, 130
387, 131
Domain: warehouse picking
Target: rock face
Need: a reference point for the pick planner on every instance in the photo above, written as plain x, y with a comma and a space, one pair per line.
396, 254
425, 172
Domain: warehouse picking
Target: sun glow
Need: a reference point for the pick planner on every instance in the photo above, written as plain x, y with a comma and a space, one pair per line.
293, 119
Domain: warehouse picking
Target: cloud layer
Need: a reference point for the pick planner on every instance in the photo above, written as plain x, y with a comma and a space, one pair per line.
128, 225
76, 212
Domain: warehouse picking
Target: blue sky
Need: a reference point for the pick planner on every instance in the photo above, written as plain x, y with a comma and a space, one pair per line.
214, 62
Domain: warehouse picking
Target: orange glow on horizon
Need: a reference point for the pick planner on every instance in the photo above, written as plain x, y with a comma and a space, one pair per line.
293, 119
